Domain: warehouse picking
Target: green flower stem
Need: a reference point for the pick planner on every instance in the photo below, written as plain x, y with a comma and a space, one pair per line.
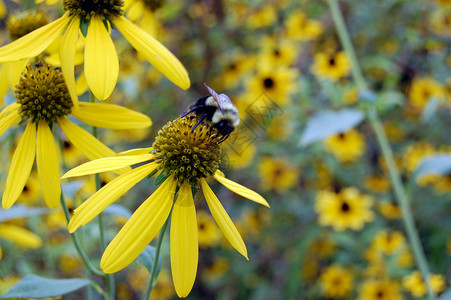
110, 277
395, 179
157, 256
77, 243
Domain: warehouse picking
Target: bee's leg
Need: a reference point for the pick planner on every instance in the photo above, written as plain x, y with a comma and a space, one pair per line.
201, 118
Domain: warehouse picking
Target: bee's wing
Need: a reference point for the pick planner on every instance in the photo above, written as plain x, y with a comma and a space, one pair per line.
218, 98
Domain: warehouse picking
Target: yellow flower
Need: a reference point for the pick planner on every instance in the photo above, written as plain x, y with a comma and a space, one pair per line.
383, 289
336, 282
424, 89
143, 13
388, 243
323, 247
300, 28
277, 174
217, 269
276, 83
347, 209
414, 154
19, 236
265, 16
208, 233
331, 66
377, 184
235, 67
101, 65
346, 147
440, 21
49, 104
278, 52
186, 157
389, 210
415, 284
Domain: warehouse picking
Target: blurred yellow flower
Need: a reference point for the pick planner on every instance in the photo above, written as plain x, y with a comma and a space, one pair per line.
20, 236
299, 27
389, 210
388, 242
208, 233
414, 153
144, 14
336, 282
377, 183
424, 89
346, 147
382, 289
346, 209
277, 174
278, 52
331, 66
415, 285
216, 269
264, 16
235, 68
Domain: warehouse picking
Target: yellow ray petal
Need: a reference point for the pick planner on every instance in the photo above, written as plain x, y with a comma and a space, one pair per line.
21, 165
223, 220
140, 229
135, 151
157, 54
20, 236
35, 42
241, 190
68, 49
107, 164
7, 110
101, 62
91, 147
111, 116
109, 193
8, 118
48, 167
82, 85
184, 242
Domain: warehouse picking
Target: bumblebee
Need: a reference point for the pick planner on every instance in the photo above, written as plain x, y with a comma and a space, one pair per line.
217, 109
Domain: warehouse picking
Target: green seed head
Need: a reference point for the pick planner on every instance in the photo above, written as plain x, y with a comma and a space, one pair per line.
24, 23
185, 153
42, 94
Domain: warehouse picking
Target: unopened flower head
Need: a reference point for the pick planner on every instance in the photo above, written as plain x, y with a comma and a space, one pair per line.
85, 9
42, 94
188, 154
24, 23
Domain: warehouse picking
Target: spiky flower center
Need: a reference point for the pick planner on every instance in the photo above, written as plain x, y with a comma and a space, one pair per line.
42, 94
153, 5
24, 23
185, 153
85, 9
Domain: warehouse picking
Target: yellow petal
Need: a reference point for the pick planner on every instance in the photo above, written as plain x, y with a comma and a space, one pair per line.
107, 164
223, 220
68, 48
109, 193
48, 167
135, 151
91, 147
82, 85
7, 110
241, 190
101, 62
184, 243
20, 236
140, 229
21, 165
8, 118
35, 42
111, 116
157, 54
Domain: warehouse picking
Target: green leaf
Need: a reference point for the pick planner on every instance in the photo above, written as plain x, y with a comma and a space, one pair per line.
21, 211
147, 258
33, 286
439, 164
327, 123
161, 178
84, 24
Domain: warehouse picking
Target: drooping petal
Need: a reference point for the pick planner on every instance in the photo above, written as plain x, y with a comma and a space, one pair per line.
21, 165
184, 242
8, 119
20, 236
241, 190
48, 167
140, 229
107, 164
136, 151
82, 85
35, 42
111, 116
68, 49
101, 62
91, 147
109, 193
157, 54
223, 220
7, 110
